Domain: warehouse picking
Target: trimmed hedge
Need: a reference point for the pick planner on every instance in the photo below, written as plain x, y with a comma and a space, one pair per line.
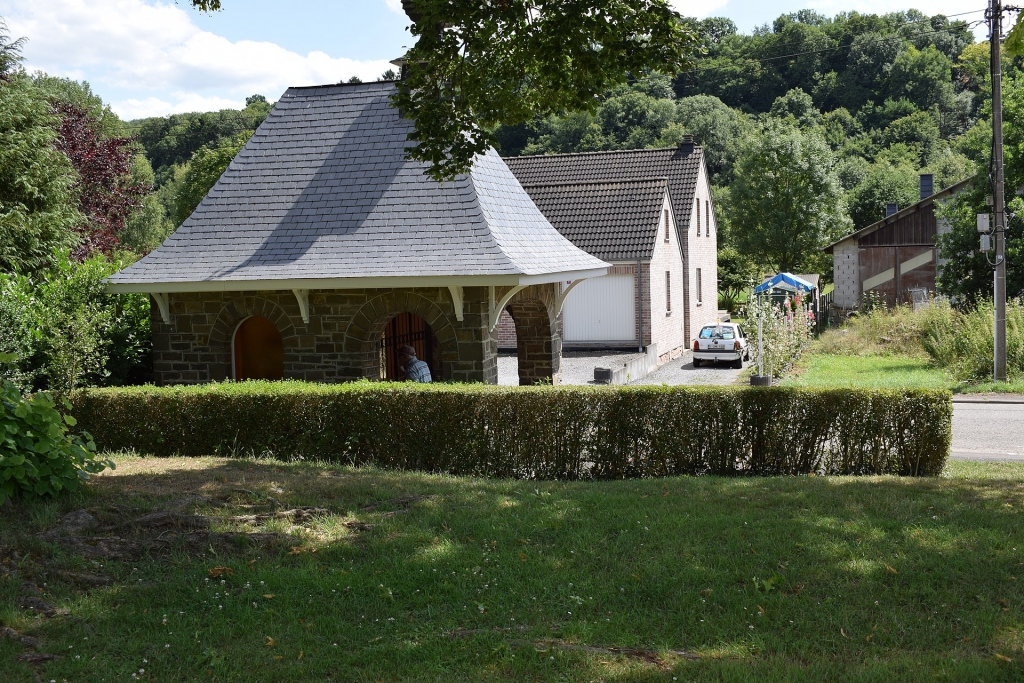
536, 432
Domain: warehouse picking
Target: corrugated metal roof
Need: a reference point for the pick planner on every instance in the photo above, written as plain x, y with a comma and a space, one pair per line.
323, 191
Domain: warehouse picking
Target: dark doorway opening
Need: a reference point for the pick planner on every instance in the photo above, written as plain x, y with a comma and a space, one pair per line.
258, 350
408, 329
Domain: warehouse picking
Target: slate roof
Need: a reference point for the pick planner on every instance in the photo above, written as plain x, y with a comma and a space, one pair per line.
680, 165
322, 195
613, 221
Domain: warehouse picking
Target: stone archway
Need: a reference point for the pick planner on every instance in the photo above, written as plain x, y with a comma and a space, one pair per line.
538, 334
230, 316
364, 332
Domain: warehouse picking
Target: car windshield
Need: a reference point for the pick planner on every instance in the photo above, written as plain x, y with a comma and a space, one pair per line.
717, 332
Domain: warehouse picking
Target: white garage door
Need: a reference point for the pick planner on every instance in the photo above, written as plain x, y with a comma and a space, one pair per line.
600, 309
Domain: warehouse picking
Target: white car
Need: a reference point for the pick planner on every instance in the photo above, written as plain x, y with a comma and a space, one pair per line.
721, 342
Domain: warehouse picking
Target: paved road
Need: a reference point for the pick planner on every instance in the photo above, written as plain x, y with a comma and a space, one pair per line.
988, 431
681, 371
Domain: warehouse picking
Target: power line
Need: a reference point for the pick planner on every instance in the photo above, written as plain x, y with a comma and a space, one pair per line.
711, 67
906, 24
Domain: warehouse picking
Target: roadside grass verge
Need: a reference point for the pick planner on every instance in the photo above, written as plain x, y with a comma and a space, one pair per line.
892, 371
408, 576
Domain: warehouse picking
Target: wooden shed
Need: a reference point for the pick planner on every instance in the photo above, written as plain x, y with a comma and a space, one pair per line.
894, 256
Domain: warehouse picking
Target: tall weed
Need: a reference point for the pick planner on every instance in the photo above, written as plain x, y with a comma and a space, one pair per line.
963, 341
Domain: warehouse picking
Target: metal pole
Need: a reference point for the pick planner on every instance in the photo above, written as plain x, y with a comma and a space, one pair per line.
999, 289
640, 306
760, 342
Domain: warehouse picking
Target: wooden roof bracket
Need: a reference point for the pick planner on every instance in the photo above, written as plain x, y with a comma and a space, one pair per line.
302, 297
560, 299
497, 308
163, 302
458, 301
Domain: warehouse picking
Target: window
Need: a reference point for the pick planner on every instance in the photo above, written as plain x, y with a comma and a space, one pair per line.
666, 225
700, 294
718, 332
707, 220
668, 292
698, 218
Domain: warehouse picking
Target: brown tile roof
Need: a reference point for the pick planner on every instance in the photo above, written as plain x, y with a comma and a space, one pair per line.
680, 165
613, 221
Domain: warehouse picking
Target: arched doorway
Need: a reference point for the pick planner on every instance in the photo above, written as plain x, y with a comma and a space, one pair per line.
257, 350
408, 329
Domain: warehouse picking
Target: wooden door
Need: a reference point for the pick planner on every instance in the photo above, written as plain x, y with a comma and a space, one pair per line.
259, 352
408, 329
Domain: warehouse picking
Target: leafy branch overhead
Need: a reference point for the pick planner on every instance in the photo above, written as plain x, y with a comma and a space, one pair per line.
480, 64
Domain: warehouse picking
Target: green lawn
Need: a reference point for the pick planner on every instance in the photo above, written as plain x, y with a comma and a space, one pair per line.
429, 578
889, 371
821, 370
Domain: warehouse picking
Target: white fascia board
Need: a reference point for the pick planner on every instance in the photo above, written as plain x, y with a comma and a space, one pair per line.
351, 282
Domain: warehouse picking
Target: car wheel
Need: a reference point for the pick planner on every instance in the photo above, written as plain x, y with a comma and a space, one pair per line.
696, 362
738, 364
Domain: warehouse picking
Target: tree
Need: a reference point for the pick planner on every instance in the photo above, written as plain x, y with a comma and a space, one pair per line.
922, 76
799, 105
203, 171
634, 120
883, 184
38, 199
10, 52
107, 192
150, 223
786, 202
719, 129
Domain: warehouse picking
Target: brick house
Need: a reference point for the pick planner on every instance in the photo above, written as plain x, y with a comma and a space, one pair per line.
322, 249
647, 212
894, 255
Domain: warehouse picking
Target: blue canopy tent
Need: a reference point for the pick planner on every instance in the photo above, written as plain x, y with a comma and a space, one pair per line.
786, 282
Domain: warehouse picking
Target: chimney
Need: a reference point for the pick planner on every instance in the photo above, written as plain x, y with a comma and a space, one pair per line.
890, 209
686, 146
927, 185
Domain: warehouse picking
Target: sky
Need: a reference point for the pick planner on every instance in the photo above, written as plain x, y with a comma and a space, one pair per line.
153, 57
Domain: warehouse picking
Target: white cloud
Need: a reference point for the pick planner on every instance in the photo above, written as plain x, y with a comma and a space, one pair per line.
132, 108
160, 59
395, 6
701, 10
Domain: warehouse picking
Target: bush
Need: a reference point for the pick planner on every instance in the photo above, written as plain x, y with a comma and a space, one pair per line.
37, 455
66, 331
536, 432
785, 328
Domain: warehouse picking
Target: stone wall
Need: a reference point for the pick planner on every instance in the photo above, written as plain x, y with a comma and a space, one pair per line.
340, 342
846, 273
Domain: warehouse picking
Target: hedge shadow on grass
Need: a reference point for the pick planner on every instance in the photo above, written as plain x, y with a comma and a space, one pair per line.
812, 553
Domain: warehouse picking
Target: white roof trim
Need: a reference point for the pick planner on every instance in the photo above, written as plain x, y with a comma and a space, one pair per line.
387, 282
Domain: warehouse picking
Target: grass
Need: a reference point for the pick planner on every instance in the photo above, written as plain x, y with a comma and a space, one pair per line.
894, 371
891, 372
708, 579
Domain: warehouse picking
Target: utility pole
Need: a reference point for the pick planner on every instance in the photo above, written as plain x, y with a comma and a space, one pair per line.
995, 13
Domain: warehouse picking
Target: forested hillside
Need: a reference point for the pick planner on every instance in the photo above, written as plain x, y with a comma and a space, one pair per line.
859, 103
